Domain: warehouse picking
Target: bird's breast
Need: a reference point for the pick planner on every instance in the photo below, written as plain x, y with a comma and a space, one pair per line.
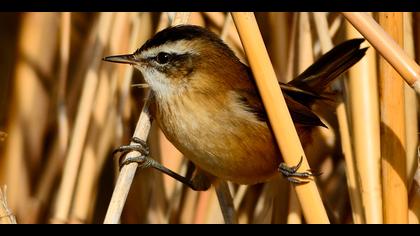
220, 136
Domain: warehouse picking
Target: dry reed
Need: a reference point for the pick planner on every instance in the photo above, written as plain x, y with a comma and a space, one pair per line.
364, 101
278, 113
393, 147
68, 110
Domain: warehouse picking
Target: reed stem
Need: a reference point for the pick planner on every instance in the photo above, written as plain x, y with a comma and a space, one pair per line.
278, 114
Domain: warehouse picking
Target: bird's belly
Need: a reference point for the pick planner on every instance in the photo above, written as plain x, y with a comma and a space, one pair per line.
231, 148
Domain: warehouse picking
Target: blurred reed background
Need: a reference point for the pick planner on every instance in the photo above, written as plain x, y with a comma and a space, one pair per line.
63, 110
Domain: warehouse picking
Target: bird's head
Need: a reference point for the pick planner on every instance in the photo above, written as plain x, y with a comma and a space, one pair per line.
179, 58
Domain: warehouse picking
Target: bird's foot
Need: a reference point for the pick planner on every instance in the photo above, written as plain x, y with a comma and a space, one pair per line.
293, 175
198, 183
139, 146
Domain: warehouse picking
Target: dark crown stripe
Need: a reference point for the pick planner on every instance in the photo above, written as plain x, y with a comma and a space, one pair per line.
180, 32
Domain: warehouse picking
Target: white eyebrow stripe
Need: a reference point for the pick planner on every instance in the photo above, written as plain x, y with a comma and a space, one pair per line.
177, 47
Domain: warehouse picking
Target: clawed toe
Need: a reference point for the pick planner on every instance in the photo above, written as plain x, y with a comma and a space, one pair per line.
294, 176
140, 147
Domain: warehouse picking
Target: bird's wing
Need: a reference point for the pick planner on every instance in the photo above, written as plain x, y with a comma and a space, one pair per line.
300, 113
306, 88
303, 96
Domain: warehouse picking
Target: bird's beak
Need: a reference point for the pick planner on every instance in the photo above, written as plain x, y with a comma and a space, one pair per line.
125, 59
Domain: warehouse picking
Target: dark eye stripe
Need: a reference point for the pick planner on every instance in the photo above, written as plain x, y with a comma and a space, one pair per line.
173, 57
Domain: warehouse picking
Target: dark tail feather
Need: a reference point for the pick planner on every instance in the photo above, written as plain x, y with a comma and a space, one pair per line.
319, 75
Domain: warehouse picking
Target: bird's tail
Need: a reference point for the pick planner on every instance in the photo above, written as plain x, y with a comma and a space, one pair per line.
332, 64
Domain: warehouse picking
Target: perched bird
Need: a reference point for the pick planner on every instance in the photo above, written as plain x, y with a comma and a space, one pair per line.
207, 104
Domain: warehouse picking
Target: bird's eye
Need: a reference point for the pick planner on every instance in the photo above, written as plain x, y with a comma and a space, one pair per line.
163, 58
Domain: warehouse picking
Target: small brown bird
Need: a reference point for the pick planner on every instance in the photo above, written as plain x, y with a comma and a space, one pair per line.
207, 104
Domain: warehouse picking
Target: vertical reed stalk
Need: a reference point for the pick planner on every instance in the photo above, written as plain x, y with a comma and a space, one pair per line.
326, 44
411, 104
364, 101
391, 93
278, 114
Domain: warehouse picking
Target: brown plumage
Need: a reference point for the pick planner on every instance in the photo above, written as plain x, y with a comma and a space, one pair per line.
208, 106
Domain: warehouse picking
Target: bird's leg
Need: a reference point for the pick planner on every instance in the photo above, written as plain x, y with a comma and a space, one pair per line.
291, 173
197, 183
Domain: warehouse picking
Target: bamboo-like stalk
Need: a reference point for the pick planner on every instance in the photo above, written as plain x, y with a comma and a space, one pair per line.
6, 215
126, 176
387, 47
305, 59
391, 94
364, 113
127, 173
278, 114
411, 104
78, 136
326, 44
